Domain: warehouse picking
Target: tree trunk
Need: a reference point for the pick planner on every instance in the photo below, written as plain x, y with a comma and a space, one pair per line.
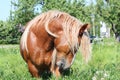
117, 36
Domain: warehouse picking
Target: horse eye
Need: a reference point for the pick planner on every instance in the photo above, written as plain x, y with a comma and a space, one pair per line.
68, 52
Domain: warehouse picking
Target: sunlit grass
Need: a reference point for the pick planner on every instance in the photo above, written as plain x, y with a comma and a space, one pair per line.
104, 65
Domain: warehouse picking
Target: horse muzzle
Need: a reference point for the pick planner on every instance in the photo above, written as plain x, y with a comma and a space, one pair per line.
62, 64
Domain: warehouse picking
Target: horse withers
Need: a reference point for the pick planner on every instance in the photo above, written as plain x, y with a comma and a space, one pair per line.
51, 40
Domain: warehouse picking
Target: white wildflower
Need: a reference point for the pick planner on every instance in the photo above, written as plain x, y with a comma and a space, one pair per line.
94, 78
102, 79
97, 72
106, 74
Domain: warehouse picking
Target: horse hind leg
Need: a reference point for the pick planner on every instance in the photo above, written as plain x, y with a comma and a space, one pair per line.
33, 70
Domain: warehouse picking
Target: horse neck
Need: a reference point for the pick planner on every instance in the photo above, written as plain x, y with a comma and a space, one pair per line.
45, 40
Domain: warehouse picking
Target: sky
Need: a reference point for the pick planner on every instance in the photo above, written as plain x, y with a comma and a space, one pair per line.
4, 9
5, 6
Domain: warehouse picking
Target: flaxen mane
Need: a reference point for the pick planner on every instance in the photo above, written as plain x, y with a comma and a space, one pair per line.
70, 26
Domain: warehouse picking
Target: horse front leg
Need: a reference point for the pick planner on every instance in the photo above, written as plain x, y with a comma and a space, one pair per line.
33, 70
56, 72
54, 68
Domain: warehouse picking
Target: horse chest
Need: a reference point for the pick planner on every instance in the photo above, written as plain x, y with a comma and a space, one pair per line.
41, 57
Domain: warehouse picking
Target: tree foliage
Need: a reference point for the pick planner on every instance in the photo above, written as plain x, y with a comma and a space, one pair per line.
22, 13
24, 10
8, 34
109, 11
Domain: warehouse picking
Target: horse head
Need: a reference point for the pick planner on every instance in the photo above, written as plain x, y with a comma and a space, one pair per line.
66, 43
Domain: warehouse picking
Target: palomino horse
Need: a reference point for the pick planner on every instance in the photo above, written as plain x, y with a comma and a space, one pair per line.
50, 42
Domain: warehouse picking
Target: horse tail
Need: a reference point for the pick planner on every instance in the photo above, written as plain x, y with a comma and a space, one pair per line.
86, 47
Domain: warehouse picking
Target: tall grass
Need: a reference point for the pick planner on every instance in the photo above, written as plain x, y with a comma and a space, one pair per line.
104, 65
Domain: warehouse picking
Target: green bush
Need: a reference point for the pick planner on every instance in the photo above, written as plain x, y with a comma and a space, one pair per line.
9, 33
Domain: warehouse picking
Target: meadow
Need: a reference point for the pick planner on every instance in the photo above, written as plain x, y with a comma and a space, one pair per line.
104, 64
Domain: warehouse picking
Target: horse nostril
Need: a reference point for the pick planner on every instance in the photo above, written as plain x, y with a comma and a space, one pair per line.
60, 64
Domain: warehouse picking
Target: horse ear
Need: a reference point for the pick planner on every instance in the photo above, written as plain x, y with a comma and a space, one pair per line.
54, 27
83, 28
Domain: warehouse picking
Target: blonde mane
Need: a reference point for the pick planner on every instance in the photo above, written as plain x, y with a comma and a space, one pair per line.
71, 30
70, 26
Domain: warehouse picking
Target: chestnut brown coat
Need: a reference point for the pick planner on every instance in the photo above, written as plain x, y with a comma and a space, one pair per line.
51, 40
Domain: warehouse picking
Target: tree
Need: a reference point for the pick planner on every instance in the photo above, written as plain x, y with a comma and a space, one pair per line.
21, 12
24, 11
109, 10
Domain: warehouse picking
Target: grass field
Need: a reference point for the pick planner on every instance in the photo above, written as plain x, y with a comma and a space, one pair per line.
104, 65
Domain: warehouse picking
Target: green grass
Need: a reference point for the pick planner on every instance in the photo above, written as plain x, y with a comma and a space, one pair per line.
104, 65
